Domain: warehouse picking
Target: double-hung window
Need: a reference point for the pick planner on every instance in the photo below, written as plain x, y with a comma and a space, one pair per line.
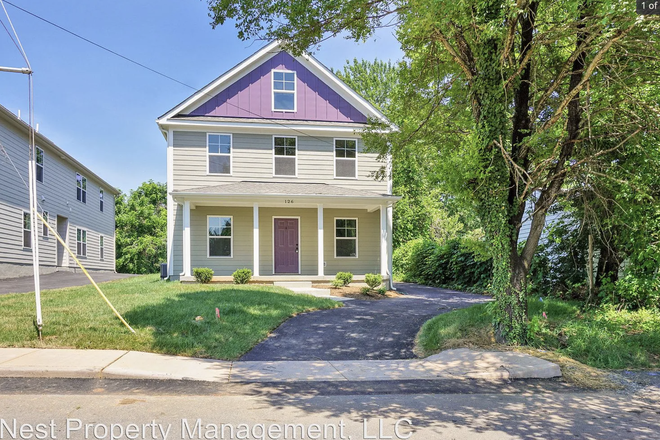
220, 236
219, 153
81, 188
101, 200
101, 247
346, 158
44, 228
81, 242
346, 244
284, 156
27, 230
39, 159
284, 91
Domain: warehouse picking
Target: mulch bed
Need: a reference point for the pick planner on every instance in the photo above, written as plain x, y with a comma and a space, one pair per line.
354, 292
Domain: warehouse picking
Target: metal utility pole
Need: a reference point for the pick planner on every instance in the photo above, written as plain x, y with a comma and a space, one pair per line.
32, 189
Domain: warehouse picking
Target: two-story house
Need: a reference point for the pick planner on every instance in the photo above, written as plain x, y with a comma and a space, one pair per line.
266, 170
77, 203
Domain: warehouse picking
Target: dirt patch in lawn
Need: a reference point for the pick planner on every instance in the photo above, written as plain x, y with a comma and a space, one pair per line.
354, 292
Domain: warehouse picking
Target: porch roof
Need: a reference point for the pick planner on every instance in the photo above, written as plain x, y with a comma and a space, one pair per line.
267, 190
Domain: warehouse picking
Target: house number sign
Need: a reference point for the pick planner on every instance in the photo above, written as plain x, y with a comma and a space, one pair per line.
288, 201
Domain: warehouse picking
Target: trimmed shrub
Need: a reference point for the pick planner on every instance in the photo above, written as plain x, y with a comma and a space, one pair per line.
365, 290
337, 284
373, 280
242, 276
382, 290
203, 275
344, 277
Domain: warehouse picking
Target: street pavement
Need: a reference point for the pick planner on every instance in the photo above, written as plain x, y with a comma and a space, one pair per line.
95, 408
383, 329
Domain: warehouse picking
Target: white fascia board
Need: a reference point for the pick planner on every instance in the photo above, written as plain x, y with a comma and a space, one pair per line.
250, 199
265, 127
226, 79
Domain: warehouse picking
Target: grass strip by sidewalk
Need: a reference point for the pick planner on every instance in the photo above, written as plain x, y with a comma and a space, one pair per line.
601, 338
162, 313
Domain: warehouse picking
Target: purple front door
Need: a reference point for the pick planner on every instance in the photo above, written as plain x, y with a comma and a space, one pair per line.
286, 245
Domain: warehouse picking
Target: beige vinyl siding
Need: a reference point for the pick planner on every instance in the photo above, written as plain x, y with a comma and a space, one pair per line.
241, 236
368, 260
57, 195
252, 159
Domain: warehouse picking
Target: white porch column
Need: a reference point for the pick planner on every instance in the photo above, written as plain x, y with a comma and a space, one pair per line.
187, 271
170, 204
383, 241
321, 253
255, 239
390, 234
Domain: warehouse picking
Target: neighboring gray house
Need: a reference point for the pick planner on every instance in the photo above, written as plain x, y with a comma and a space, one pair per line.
266, 170
78, 204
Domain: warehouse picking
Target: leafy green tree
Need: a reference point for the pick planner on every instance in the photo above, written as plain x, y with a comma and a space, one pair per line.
522, 81
141, 228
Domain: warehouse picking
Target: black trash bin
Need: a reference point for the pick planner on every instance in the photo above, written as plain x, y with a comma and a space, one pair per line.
163, 271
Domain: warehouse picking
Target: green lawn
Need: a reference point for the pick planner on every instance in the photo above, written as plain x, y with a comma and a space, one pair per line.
602, 338
162, 313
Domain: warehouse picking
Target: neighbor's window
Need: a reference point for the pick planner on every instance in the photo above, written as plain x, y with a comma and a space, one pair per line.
27, 230
40, 164
220, 236
219, 153
284, 161
101, 200
284, 91
81, 242
81, 188
346, 237
346, 158
100, 247
44, 230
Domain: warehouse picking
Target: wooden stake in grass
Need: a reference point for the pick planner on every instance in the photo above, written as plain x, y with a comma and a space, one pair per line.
98, 289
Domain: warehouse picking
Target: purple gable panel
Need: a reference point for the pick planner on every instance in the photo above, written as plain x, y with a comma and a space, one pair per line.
251, 96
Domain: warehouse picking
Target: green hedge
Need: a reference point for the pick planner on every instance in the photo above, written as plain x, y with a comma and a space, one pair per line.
447, 265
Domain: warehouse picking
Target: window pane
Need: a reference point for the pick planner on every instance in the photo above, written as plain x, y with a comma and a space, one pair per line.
220, 226
78, 194
289, 76
285, 166
84, 196
284, 101
79, 248
278, 85
346, 248
290, 142
84, 236
220, 247
279, 141
78, 235
345, 168
26, 221
340, 223
44, 228
350, 153
289, 86
351, 223
290, 151
79, 180
219, 165
27, 239
84, 184
278, 76
40, 174
40, 156
279, 151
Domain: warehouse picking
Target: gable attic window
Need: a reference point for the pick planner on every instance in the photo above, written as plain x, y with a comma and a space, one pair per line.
346, 158
284, 91
81, 188
40, 164
219, 153
101, 200
284, 156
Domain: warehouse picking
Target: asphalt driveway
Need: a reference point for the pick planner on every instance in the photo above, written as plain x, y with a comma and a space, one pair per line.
383, 329
56, 280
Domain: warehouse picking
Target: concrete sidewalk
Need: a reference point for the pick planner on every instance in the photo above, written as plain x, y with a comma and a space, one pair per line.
118, 364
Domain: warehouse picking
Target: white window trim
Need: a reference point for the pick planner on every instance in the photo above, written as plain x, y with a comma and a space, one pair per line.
101, 248
85, 242
334, 158
36, 164
272, 225
357, 233
45, 232
23, 229
296, 157
83, 178
208, 237
294, 92
231, 154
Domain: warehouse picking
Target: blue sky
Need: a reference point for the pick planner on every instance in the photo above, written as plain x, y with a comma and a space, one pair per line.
102, 109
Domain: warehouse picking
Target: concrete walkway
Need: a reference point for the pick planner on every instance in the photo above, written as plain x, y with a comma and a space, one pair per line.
57, 280
382, 329
118, 364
